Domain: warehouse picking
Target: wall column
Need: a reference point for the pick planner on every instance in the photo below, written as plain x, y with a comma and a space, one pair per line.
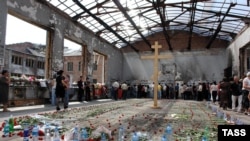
56, 50
3, 25
49, 71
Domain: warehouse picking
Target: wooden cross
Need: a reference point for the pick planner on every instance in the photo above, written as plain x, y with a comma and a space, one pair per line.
156, 56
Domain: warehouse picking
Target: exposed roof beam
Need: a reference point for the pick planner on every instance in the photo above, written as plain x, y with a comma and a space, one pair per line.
104, 24
157, 6
150, 19
179, 15
98, 13
191, 23
180, 23
120, 7
209, 22
115, 24
186, 2
219, 27
204, 18
76, 17
209, 11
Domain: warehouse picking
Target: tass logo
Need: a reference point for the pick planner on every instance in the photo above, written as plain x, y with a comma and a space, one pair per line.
226, 132
234, 132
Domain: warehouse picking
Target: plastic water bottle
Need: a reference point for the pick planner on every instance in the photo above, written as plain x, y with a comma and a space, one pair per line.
47, 136
6, 129
121, 133
204, 138
225, 116
84, 135
25, 132
35, 133
56, 136
135, 137
168, 132
75, 134
103, 137
11, 124
189, 138
163, 138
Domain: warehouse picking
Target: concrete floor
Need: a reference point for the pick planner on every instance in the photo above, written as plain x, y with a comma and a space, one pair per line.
26, 110
244, 118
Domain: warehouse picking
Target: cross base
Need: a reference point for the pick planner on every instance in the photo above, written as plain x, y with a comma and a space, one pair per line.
156, 107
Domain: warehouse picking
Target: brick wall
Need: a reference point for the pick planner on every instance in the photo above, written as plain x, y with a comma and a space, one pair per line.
179, 42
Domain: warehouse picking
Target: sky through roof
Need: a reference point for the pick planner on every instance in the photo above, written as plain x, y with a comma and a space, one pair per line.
126, 21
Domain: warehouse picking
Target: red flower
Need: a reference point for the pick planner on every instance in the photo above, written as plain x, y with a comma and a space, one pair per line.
15, 122
62, 137
20, 134
41, 133
3, 124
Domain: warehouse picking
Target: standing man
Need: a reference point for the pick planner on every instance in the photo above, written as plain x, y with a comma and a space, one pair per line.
80, 89
4, 87
176, 91
236, 94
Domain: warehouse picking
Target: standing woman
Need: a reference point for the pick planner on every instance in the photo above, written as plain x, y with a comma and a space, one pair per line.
4, 87
60, 88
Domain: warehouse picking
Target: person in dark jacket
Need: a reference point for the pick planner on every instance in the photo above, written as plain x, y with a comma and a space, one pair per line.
4, 87
236, 94
225, 90
60, 88
80, 89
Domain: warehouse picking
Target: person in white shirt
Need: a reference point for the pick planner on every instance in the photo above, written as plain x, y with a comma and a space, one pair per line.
214, 91
246, 95
151, 90
124, 87
114, 90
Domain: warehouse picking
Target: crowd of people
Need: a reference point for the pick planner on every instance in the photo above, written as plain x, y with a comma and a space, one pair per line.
60, 90
229, 93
